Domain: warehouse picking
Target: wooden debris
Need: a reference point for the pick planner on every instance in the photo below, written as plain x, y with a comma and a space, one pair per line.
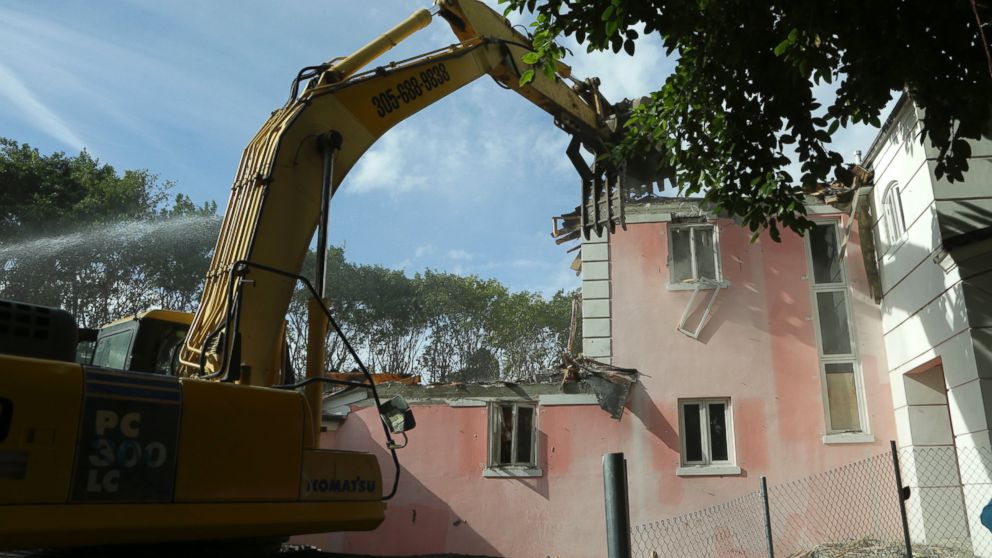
873, 548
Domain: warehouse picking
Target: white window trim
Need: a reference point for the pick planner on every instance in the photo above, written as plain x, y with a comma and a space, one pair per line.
831, 435
859, 392
496, 470
507, 472
700, 285
707, 467
849, 438
708, 471
696, 284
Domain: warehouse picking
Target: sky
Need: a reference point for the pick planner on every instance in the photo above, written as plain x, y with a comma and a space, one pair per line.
468, 186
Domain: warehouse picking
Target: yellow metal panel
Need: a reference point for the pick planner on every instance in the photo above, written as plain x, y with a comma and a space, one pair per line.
340, 475
173, 316
77, 525
36, 456
239, 443
380, 102
348, 66
551, 94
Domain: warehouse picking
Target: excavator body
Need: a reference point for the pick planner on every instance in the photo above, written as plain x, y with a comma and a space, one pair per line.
118, 450
180, 429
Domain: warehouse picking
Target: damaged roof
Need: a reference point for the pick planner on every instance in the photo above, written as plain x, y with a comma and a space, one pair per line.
611, 386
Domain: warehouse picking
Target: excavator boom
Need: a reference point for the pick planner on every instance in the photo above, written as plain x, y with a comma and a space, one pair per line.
103, 452
276, 197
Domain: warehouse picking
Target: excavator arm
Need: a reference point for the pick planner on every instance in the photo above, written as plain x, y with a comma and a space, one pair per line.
96, 455
322, 131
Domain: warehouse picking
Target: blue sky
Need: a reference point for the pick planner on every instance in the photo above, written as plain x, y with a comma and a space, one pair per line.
469, 185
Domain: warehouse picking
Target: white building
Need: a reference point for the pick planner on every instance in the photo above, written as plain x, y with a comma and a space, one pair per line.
933, 240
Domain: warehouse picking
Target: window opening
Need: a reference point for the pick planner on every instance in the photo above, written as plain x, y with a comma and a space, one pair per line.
835, 333
694, 254
513, 435
842, 396
840, 378
827, 266
707, 432
892, 214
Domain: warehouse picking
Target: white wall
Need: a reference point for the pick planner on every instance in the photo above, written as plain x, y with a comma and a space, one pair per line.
932, 311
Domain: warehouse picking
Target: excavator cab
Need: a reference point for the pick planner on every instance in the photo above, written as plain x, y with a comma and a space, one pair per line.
145, 342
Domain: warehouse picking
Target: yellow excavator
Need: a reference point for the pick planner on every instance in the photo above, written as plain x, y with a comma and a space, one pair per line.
174, 435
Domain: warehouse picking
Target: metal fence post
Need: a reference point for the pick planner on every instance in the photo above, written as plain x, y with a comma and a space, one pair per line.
617, 508
768, 517
903, 496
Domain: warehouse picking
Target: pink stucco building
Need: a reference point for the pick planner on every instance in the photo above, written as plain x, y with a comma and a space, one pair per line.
754, 359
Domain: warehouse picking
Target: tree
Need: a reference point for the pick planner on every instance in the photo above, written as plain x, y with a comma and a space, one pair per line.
47, 194
442, 326
76, 234
461, 321
742, 98
531, 333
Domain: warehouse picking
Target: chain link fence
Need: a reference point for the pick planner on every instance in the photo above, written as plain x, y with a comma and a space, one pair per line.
948, 488
851, 511
734, 528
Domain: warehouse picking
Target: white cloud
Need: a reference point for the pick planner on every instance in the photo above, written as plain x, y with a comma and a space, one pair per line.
564, 279
559, 277
387, 166
32, 109
138, 87
459, 255
423, 250
528, 263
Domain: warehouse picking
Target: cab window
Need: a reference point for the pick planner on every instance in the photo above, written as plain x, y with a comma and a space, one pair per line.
112, 350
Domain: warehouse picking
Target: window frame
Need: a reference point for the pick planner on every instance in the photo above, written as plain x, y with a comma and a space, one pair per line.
707, 466
494, 418
695, 282
893, 215
843, 287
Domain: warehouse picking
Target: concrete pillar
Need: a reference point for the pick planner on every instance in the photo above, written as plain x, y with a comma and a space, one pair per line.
936, 507
597, 340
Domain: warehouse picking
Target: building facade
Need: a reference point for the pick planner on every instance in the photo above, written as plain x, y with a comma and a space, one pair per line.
932, 241
754, 359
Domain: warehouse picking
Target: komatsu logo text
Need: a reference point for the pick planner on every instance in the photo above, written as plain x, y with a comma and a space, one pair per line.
337, 485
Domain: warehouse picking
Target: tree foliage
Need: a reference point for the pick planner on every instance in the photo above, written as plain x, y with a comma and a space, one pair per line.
743, 98
76, 234
446, 327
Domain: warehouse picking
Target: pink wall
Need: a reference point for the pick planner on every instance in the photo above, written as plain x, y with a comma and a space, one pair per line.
445, 505
758, 349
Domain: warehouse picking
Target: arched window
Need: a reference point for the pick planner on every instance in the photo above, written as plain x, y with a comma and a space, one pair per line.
893, 219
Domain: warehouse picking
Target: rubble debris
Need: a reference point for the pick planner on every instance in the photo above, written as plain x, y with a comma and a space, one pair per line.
841, 191
572, 371
611, 384
566, 228
377, 377
874, 548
